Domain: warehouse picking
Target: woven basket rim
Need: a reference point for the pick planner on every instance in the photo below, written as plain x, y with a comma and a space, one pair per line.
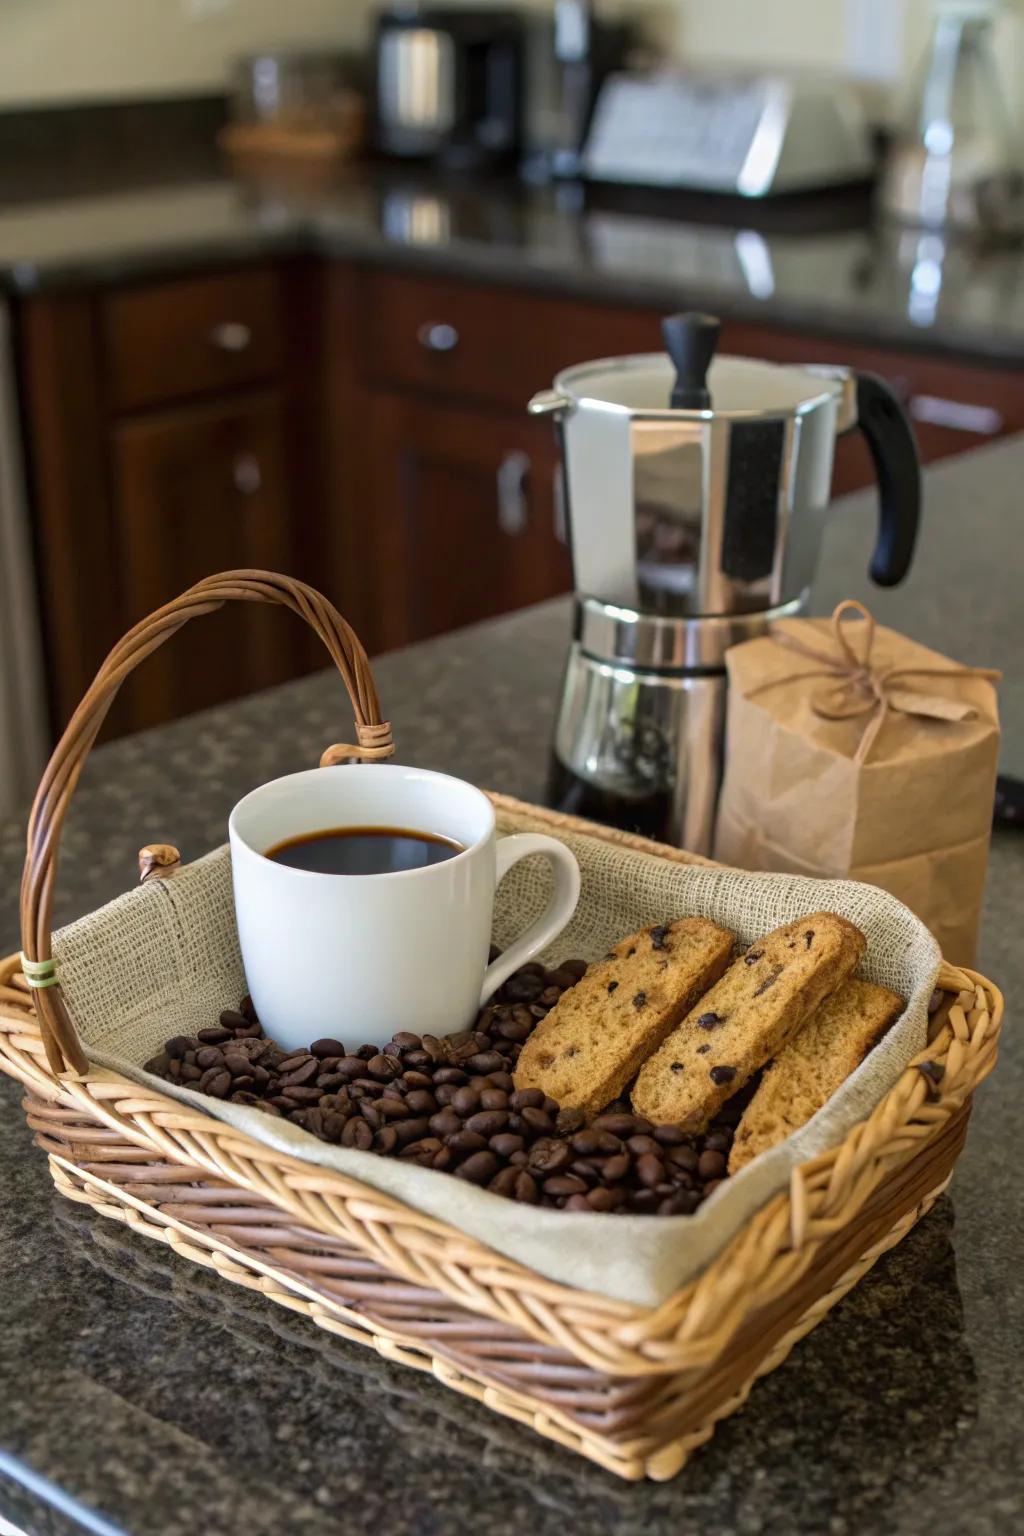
690, 1327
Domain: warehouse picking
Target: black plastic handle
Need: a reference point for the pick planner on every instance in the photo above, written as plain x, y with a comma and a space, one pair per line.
890, 438
690, 341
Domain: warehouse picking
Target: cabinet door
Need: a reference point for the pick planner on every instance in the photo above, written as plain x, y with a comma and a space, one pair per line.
466, 518
199, 491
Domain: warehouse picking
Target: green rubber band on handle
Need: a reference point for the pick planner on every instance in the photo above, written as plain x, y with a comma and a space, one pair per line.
39, 973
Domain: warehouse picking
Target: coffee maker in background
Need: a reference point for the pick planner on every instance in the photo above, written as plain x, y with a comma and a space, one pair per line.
697, 488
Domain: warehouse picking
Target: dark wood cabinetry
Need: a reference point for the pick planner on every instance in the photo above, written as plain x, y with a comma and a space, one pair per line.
466, 513
196, 491
362, 428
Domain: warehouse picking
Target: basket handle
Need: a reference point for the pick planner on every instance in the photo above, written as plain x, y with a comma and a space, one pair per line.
373, 738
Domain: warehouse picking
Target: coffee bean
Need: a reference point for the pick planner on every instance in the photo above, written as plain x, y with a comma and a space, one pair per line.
718, 1141
300, 1093
712, 1165
418, 1059
515, 1029
564, 1184
404, 1041
505, 1143
522, 988
683, 1202
616, 1124
445, 1093
643, 1201
577, 1203
538, 1121
176, 1047
295, 1061
639, 1145
384, 1067
304, 1073
669, 1135
478, 1168
357, 1133
560, 978
684, 1158
446, 1122
466, 1101
213, 1036
526, 1098
649, 1170
411, 1130
586, 1170
488, 1122
602, 1199
504, 1183
549, 1156
418, 1080
189, 1072
421, 1101
466, 1141
451, 1076
209, 1056
216, 1082
549, 997
616, 1167
494, 1098
484, 1062
526, 1191
327, 1047
709, 1189
394, 1108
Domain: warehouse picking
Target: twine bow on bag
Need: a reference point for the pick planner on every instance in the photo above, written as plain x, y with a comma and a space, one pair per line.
857, 689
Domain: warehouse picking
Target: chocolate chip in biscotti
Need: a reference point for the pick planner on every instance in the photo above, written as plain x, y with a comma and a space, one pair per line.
756, 1008
595, 1038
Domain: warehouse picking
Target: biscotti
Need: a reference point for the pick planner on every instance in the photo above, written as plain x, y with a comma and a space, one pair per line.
598, 1034
806, 1073
760, 1003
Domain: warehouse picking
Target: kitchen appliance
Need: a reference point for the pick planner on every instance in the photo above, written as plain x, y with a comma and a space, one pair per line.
569, 54
750, 135
449, 85
293, 106
696, 488
956, 161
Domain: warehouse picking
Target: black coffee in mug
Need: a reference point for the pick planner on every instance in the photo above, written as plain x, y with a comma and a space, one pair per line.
364, 850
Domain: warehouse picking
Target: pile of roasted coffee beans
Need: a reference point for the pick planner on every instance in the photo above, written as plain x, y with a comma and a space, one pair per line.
451, 1104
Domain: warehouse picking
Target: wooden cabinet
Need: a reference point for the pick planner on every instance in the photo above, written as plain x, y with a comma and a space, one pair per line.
467, 516
361, 428
198, 491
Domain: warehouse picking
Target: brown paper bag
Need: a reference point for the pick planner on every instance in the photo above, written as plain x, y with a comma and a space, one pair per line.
856, 752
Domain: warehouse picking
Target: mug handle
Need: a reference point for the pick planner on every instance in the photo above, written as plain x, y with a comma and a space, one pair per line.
560, 908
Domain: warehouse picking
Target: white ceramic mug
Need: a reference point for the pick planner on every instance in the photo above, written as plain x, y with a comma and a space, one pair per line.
358, 957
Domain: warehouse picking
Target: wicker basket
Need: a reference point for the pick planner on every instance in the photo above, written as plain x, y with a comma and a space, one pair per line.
635, 1389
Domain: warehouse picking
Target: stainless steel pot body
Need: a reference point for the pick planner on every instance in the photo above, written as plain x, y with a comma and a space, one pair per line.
689, 513
640, 731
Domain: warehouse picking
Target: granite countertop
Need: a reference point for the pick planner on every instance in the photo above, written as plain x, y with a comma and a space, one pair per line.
145, 1395
843, 275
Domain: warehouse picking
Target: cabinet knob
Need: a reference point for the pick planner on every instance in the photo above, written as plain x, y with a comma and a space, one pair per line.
512, 506
246, 474
437, 336
231, 336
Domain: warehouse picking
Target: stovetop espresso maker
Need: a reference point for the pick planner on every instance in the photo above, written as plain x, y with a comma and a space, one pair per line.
697, 488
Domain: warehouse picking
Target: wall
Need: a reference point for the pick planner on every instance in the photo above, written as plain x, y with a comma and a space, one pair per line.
65, 50
74, 49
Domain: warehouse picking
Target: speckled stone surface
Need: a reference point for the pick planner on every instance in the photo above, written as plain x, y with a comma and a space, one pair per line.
164, 1400
845, 276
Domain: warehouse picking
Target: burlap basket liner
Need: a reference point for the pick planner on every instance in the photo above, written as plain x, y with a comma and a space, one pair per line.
164, 959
